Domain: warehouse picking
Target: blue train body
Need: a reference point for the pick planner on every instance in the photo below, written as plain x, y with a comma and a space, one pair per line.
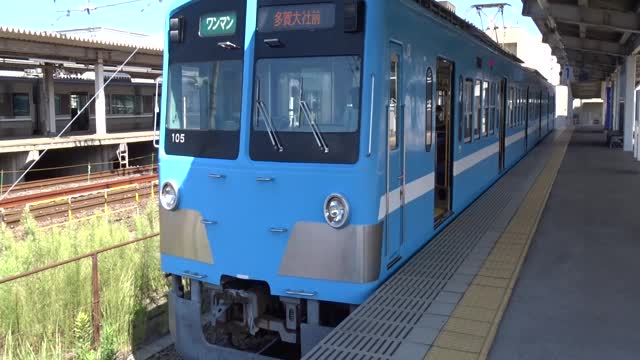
257, 213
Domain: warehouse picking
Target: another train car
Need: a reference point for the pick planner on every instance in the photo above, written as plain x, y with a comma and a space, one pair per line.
308, 150
129, 105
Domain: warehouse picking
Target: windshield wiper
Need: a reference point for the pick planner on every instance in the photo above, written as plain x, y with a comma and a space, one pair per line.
306, 111
273, 136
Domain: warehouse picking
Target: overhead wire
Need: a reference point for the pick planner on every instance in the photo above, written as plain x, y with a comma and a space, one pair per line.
90, 9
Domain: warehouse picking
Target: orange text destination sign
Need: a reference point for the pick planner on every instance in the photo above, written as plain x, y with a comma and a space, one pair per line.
296, 17
218, 24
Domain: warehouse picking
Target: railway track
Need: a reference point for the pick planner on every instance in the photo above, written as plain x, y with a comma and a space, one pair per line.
78, 205
74, 199
22, 200
41, 185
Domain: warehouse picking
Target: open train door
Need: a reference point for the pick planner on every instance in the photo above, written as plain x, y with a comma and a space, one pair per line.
502, 110
444, 139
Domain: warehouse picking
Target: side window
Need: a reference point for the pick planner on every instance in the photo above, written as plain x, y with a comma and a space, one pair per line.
461, 111
521, 107
519, 118
485, 105
468, 109
429, 113
21, 105
477, 108
511, 106
492, 108
393, 103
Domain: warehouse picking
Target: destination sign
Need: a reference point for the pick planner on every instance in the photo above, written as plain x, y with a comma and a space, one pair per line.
296, 17
218, 24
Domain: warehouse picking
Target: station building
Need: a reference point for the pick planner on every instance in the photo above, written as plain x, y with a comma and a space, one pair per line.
47, 78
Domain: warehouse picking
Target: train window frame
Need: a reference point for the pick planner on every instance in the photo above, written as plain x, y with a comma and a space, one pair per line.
392, 104
492, 108
486, 97
512, 106
523, 101
516, 103
460, 109
429, 110
468, 117
477, 108
517, 107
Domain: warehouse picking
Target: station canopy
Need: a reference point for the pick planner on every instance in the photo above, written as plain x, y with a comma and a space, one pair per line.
593, 37
24, 50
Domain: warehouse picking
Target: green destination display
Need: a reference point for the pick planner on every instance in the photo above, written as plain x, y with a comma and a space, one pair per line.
218, 24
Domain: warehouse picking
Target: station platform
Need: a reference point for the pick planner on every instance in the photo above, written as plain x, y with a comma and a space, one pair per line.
42, 142
462, 291
577, 294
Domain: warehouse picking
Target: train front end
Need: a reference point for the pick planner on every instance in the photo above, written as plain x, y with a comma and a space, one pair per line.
267, 211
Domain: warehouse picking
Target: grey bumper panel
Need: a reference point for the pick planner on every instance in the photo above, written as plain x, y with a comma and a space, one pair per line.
185, 323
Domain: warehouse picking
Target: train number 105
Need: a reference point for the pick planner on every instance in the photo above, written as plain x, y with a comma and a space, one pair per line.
177, 138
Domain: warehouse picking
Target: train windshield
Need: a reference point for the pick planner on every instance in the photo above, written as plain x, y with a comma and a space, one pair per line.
306, 104
205, 95
298, 92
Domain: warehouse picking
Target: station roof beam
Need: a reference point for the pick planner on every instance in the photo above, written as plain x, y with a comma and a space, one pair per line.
594, 37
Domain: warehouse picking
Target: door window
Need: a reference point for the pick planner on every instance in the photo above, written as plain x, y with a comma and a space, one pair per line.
468, 110
477, 108
429, 111
393, 103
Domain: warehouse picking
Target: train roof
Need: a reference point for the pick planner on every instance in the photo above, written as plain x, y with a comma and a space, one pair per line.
439, 10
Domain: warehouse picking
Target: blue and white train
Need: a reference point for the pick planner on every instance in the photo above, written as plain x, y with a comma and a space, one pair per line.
310, 148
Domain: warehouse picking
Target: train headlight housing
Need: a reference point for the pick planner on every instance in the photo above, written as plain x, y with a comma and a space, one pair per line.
169, 196
336, 210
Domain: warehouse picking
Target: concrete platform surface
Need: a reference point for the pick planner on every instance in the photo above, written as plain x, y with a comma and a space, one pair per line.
577, 296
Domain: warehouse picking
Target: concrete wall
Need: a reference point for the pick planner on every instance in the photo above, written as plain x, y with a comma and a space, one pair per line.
10, 163
590, 113
72, 161
562, 106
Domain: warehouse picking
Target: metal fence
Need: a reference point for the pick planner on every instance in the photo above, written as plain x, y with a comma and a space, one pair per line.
96, 314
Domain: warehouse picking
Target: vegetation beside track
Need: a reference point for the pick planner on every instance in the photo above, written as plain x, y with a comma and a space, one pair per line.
48, 315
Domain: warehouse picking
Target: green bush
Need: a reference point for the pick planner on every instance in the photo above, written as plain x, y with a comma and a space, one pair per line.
45, 316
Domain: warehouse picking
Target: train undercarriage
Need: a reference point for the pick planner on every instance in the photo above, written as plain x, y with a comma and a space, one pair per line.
241, 320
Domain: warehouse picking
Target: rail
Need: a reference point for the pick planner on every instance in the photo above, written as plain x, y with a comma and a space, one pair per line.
96, 314
41, 185
77, 190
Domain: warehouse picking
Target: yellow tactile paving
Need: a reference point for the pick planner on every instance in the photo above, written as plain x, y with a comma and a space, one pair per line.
471, 329
458, 341
473, 313
501, 272
491, 281
486, 297
437, 353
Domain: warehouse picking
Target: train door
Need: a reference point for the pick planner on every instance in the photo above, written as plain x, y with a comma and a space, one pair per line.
502, 109
444, 139
77, 103
394, 227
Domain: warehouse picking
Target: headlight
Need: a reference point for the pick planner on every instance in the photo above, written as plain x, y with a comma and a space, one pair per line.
169, 195
336, 210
